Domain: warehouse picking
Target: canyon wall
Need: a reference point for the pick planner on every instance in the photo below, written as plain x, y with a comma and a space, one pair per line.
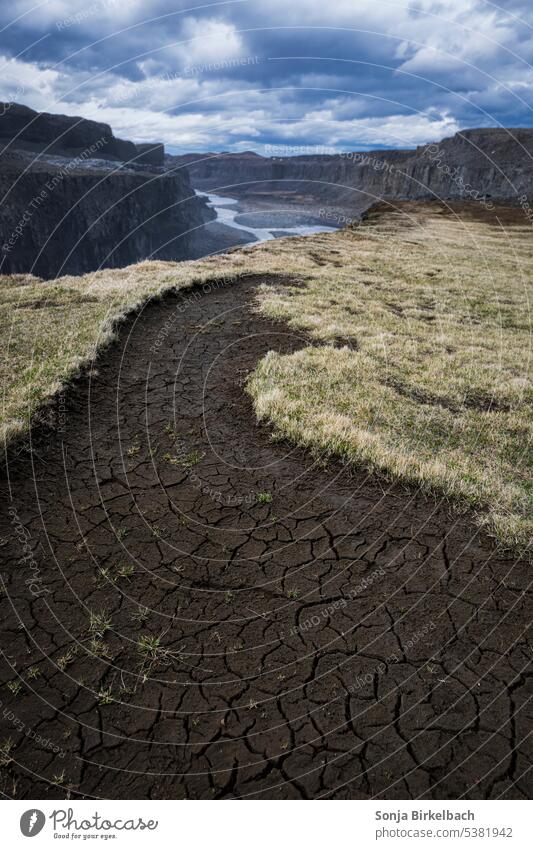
75, 198
53, 224
479, 163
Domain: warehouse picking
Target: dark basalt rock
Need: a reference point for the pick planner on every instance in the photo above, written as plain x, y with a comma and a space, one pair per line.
24, 129
151, 154
53, 224
492, 163
75, 198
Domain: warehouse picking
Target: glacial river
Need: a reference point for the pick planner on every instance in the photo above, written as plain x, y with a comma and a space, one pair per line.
227, 210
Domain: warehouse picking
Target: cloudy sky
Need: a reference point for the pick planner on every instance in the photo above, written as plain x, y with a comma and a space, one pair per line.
298, 74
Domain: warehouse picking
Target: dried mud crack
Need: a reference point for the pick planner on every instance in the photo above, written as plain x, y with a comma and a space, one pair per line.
191, 610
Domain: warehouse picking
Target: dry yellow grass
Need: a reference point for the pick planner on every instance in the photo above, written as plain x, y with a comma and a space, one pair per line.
50, 329
422, 366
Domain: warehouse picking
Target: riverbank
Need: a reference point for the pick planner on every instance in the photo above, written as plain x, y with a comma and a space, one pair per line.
263, 223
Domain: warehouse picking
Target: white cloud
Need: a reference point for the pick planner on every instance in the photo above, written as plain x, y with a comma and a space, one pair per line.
24, 81
205, 42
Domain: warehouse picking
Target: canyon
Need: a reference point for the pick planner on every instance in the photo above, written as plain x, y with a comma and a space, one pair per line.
75, 198
477, 164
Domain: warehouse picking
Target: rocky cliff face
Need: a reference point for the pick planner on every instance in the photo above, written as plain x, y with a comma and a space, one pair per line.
75, 198
480, 163
22, 128
52, 223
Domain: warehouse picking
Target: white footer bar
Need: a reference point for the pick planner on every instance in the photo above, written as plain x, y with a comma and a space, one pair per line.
267, 824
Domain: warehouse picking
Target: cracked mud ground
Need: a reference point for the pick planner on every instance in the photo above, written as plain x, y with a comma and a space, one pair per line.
266, 626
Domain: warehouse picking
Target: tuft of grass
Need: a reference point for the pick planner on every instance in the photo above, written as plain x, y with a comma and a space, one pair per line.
125, 570
33, 672
6, 747
103, 577
14, 687
105, 696
67, 658
192, 459
99, 623
149, 647
169, 458
140, 615
264, 497
99, 648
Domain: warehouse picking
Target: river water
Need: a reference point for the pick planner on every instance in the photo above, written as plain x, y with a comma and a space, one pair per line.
227, 210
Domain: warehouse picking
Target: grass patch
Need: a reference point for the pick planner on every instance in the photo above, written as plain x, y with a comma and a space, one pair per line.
52, 329
422, 367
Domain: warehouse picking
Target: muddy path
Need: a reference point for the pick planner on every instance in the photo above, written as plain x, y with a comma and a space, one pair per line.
191, 610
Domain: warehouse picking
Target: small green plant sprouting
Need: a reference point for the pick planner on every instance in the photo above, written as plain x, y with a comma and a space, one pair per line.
105, 697
169, 429
67, 658
192, 459
121, 533
99, 623
134, 449
149, 647
141, 614
5, 752
169, 458
99, 648
294, 593
103, 577
125, 570
14, 686
228, 595
264, 497
33, 672
59, 779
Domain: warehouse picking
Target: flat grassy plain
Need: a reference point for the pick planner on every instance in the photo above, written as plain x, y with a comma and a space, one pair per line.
419, 357
423, 367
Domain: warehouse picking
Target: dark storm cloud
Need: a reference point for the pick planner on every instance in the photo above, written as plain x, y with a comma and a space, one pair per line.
246, 74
